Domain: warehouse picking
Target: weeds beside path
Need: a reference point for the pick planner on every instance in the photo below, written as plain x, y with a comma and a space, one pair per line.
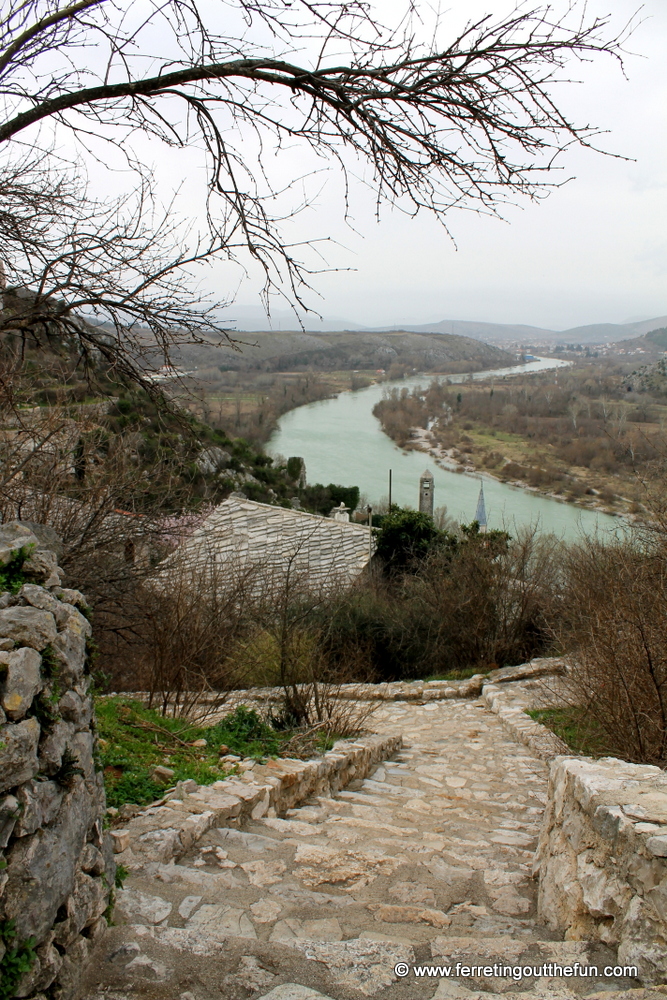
135, 740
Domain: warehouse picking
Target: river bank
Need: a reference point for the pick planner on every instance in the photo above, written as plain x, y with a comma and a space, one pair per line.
446, 458
578, 435
342, 442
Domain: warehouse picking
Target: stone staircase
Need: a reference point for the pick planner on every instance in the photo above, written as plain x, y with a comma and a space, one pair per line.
425, 862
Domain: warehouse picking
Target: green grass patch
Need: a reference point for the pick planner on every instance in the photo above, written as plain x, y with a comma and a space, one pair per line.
459, 675
134, 739
576, 728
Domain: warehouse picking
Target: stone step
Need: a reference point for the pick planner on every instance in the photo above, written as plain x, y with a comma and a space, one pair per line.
292, 991
426, 859
222, 952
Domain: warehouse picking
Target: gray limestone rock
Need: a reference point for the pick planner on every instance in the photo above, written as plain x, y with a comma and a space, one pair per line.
250, 841
43, 565
124, 953
37, 597
66, 986
148, 968
161, 845
92, 860
69, 596
212, 460
657, 846
21, 682
13, 537
40, 801
69, 647
44, 970
106, 847
87, 902
45, 537
139, 907
161, 774
292, 991
28, 627
218, 921
366, 966
10, 810
189, 905
53, 745
76, 621
49, 861
82, 746
75, 708
18, 752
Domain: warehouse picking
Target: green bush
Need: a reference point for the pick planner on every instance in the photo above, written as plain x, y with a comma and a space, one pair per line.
406, 537
17, 960
12, 576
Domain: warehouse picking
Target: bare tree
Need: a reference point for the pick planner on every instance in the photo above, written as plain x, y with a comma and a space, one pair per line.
471, 124
612, 623
174, 635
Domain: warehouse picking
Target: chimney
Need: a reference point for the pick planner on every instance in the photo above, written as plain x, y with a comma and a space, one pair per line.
341, 513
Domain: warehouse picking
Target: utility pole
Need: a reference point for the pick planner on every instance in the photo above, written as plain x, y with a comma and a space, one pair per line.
389, 511
370, 532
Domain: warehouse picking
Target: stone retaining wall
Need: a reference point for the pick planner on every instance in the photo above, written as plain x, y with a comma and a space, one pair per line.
602, 855
468, 687
168, 828
602, 859
55, 873
509, 702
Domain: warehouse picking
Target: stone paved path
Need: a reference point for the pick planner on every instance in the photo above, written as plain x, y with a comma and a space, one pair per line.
427, 860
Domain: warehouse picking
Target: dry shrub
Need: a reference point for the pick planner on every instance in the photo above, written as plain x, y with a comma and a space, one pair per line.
614, 623
175, 635
338, 716
289, 648
482, 602
202, 627
488, 603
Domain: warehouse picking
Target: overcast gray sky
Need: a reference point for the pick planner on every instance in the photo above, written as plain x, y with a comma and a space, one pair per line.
594, 251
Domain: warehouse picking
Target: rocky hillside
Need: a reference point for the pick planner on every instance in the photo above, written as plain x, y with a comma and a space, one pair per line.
77, 439
649, 378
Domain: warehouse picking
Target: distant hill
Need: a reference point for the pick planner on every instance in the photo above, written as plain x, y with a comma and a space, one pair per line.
658, 337
283, 350
649, 378
481, 331
596, 333
653, 344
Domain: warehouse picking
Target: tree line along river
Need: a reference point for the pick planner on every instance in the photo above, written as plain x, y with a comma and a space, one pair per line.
342, 442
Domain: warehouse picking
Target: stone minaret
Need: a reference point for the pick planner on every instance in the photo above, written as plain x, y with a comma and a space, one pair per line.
426, 493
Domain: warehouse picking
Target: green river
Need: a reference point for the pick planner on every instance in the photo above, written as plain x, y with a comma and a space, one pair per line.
342, 442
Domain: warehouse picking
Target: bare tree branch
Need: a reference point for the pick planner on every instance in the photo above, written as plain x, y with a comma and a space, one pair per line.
472, 124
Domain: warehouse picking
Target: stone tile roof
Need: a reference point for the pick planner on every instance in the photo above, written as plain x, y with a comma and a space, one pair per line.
242, 533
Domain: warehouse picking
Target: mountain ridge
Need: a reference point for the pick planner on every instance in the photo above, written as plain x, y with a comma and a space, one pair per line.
593, 333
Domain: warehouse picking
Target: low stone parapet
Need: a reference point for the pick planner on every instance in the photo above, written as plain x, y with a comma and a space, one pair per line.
417, 690
509, 702
602, 859
167, 829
